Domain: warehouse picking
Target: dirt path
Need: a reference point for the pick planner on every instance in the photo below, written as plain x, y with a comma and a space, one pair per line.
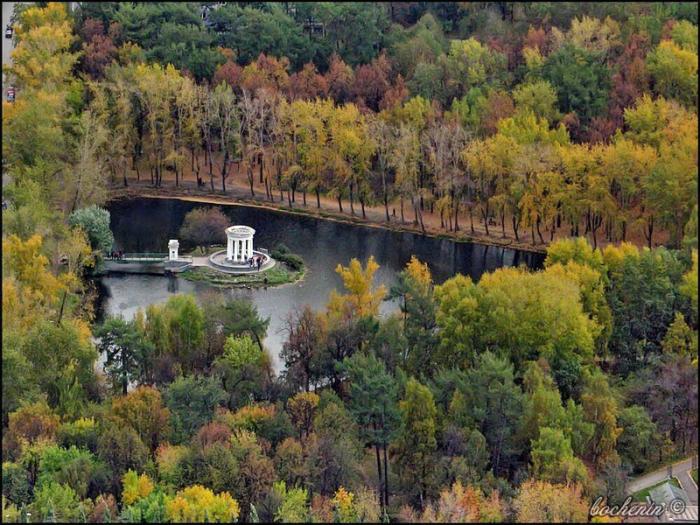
238, 192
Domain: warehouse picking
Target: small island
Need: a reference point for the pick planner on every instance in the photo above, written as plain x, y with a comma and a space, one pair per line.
239, 265
287, 268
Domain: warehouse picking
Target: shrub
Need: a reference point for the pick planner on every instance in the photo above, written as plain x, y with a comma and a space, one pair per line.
282, 254
94, 221
204, 226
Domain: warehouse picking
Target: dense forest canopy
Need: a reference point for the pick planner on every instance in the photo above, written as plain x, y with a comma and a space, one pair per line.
523, 396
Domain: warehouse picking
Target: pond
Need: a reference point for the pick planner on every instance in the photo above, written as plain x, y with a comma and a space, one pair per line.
146, 225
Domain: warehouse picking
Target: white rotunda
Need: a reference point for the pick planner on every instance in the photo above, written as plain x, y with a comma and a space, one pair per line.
239, 247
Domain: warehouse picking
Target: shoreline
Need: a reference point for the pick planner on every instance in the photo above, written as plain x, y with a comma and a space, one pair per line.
126, 193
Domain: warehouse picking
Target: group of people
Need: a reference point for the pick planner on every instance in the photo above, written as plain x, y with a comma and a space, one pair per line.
256, 261
116, 254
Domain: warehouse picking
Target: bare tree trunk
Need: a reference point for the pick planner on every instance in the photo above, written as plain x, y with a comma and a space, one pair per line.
303, 194
362, 205
649, 231
595, 239
223, 171
386, 207
456, 205
402, 219
386, 478
379, 471
352, 207
262, 160
340, 204
250, 179
318, 199
539, 233
485, 215
515, 227
63, 303
210, 164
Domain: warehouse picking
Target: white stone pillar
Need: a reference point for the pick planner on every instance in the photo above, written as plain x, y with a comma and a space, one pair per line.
229, 248
250, 247
173, 246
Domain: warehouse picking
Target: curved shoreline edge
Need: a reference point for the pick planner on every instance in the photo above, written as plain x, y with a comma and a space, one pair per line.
125, 193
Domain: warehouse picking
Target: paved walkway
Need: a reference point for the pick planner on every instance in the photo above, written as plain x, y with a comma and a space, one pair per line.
680, 470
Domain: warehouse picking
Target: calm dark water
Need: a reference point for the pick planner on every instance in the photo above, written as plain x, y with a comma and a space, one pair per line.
146, 225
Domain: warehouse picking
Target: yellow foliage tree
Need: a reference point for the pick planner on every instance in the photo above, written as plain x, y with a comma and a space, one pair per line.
362, 299
420, 273
135, 487
29, 289
343, 506
41, 59
198, 504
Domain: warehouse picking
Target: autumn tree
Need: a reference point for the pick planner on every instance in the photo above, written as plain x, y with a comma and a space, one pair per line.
601, 408
302, 408
674, 72
306, 331
416, 442
362, 298
405, 161
204, 226
143, 410
542, 501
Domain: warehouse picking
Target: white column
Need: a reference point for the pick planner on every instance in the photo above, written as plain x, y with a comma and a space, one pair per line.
229, 248
249, 242
173, 246
235, 250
